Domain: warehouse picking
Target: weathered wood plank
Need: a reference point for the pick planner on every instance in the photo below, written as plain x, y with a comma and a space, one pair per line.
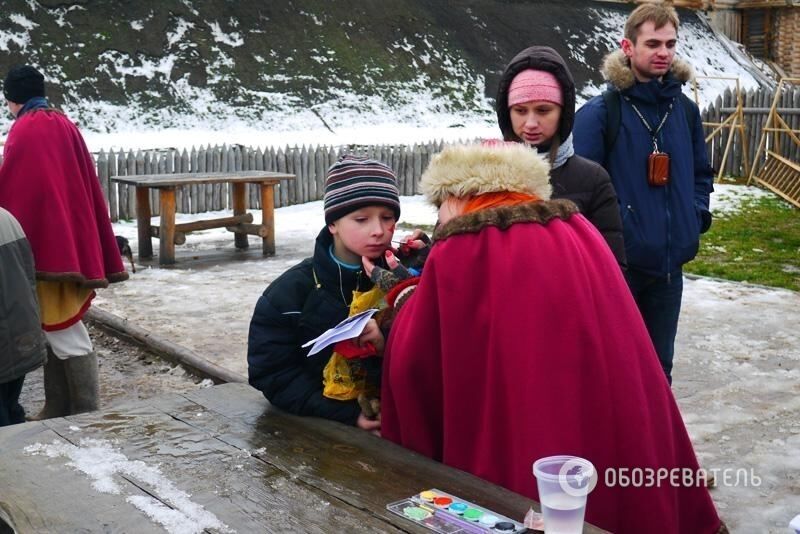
143, 214
344, 462
240, 490
268, 219
172, 180
166, 232
39, 493
238, 199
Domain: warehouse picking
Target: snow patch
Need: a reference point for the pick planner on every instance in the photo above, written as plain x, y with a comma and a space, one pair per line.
232, 39
21, 20
727, 199
105, 465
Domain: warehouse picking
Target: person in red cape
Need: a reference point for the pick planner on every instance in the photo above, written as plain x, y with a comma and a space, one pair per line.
522, 341
48, 182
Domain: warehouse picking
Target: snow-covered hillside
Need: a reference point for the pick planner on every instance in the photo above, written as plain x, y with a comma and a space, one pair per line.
181, 73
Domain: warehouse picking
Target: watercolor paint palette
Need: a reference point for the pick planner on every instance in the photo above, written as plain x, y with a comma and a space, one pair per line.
444, 513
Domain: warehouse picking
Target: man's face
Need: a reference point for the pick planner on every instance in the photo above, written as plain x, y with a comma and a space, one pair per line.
652, 54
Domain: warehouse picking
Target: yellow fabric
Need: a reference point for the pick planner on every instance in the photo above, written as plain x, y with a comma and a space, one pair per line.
340, 380
60, 302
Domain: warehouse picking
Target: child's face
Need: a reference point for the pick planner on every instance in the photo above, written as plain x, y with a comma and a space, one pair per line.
365, 232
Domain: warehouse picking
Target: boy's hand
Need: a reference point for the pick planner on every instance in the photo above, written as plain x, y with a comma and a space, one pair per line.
372, 334
365, 423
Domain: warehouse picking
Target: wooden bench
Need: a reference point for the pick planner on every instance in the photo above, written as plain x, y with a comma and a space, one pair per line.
170, 234
223, 454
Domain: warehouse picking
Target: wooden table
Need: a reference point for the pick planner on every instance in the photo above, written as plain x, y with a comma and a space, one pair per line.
171, 234
223, 454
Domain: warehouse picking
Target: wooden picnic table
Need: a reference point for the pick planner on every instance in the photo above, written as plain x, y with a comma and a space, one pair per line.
170, 234
218, 454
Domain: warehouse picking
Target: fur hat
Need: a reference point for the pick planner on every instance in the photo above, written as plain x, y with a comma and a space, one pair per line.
354, 182
468, 170
22, 84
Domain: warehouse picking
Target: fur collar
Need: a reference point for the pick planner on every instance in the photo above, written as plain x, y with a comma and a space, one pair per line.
617, 71
503, 217
467, 170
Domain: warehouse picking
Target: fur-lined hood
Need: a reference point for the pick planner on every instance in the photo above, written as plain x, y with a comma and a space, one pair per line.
617, 71
468, 170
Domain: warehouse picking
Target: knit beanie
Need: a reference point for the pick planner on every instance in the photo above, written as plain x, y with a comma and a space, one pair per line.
355, 182
22, 84
531, 84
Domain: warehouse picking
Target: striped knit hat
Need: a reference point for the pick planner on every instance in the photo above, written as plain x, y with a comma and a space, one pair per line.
354, 183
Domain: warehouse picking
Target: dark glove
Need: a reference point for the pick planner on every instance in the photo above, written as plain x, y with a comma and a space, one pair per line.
386, 279
704, 218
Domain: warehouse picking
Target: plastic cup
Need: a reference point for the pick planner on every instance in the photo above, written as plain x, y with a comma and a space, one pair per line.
564, 482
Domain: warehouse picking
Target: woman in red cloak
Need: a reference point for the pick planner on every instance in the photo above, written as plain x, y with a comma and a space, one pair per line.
48, 182
522, 341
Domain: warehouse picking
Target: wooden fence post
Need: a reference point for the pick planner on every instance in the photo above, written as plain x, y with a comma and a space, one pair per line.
280, 166
113, 207
321, 170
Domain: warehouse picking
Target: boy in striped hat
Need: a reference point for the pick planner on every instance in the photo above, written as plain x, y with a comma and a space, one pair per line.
362, 206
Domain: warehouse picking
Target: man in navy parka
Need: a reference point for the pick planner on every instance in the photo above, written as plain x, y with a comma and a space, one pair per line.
661, 224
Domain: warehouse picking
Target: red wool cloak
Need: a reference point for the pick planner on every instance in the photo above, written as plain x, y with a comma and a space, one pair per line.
48, 182
525, 342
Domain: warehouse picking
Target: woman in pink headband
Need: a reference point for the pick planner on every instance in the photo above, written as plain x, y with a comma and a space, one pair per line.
536, 106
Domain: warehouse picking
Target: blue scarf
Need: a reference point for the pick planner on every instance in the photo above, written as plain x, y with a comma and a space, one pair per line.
37, 102
565, 151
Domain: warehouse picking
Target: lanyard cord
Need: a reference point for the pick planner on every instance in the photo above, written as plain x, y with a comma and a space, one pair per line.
653, 134
341, 283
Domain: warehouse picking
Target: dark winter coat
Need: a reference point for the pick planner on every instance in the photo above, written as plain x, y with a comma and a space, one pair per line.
579, 180
296, 308
22, 347
662, 225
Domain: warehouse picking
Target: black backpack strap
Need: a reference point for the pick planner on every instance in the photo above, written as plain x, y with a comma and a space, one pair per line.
611, 98
688, 109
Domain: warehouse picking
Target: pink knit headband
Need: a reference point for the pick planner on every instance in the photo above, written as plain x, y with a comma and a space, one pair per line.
530, 85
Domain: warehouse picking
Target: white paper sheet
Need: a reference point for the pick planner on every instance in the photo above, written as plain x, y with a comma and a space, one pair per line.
347, 329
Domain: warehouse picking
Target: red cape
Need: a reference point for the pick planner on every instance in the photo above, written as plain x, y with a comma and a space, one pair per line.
524, 343
48, 182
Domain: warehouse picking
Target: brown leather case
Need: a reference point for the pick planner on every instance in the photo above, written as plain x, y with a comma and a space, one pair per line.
658, 169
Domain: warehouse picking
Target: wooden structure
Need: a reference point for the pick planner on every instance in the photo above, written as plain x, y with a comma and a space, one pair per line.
308, 163
170, 234
734, 123
770, 29
776, 172
222, 460
757, 103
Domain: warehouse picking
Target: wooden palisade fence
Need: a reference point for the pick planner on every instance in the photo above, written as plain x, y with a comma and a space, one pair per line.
756, 109
309, 164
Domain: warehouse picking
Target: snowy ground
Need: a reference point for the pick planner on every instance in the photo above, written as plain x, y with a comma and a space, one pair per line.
737, 376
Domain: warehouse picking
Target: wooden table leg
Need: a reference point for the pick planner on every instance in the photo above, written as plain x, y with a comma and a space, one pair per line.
143, 215
240, 239
268, 218
166, 233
